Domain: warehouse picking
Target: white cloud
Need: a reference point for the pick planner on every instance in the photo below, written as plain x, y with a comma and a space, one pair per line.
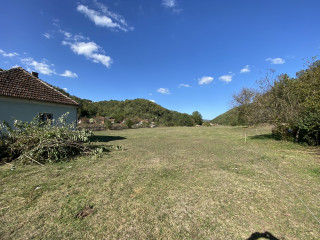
226, 78
67, 34
100, 58
41, 67
47, 35
91, 50
152, 101
275, 60
68, 73
163, 91
8, 54
84, 48
66, 89
172, 5
205, 80
169, 3
184, 85
246, 69
104, 17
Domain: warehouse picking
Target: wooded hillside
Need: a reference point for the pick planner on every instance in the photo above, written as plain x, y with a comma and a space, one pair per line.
131, 109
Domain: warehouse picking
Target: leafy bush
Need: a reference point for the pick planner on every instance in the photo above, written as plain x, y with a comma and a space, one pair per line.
42, 142
108, 124
129, 123
283, 132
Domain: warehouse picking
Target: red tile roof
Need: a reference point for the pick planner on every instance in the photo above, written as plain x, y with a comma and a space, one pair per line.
17, 82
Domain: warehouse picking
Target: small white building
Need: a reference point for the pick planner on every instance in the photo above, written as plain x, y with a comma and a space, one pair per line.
23, 96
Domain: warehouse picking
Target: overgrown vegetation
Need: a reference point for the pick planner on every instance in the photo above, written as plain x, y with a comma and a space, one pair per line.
292, 105
42, 142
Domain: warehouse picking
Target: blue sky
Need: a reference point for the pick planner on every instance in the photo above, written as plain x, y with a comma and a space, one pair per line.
185, 55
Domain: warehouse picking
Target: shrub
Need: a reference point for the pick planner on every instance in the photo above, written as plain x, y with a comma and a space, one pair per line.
108, 124
283, 132
42, 142
129, 123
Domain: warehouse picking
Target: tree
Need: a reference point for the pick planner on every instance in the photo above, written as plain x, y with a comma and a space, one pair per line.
197, 118
243, 102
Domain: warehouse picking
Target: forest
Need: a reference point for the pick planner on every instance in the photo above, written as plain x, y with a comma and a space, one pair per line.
134, 110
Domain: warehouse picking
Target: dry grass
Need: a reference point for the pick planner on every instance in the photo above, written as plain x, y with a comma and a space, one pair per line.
169, 183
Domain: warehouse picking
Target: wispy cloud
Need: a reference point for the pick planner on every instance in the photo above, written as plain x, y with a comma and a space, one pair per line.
246, 69
5, 54
172, 5
169, 3
152, 100
275, 60
69, 74
163, 91
104, 17
184, 85
81, 46
41, 67
226, 78
47, 35
66, 89
205, 80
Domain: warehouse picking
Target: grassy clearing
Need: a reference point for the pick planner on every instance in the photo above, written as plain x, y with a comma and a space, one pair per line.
169, 183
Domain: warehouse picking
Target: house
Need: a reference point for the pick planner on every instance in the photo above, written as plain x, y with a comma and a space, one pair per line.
23, 96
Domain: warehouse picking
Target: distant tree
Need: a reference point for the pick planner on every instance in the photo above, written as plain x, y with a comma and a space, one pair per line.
197, 118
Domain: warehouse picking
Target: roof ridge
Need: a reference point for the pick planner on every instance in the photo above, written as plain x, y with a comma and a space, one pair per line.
48, 85
18, 82
7, 70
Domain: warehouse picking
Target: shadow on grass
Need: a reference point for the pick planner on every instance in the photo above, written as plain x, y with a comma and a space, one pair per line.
265, 235
264, 137
105, 138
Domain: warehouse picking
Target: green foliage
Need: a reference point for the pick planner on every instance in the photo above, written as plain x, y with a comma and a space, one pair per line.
108, 124
131, 109
292, 105
206, 124
38, 142
129, 123
228, 118
197, 118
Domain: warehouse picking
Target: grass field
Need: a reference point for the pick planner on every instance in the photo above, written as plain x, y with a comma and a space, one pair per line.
168, 183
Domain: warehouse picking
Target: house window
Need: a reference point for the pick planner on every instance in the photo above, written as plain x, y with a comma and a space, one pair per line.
44, 117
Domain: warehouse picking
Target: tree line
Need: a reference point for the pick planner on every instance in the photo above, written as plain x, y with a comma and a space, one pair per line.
291, 104
134, 110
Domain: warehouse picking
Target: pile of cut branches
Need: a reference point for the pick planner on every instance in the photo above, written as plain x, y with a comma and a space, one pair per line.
42, 142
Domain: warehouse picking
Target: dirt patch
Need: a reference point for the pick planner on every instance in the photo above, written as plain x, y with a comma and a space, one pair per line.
86, 211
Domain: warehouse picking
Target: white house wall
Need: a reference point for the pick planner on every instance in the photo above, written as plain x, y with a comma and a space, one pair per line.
26, 110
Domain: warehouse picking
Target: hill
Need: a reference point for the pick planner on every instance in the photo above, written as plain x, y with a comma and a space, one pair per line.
228, 118
131, 109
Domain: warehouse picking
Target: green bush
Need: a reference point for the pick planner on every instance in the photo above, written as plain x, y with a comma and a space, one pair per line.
108, 124
129, 123
283, 132
42, 142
